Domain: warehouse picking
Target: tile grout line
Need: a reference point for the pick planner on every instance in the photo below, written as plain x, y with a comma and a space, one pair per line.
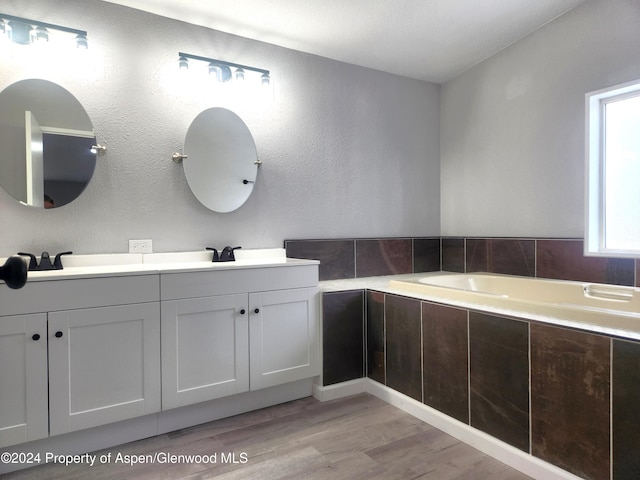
611, 408
469, 367
384, 334
530, 390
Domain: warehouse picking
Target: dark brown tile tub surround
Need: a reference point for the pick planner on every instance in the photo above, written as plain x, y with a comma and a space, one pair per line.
403, 346
546, 258
337, 257
445, 360
453, 255
383, 257
501, 255
375, 336
626, 410
342, 336
499, 377
426, 254
570, 398
565, 260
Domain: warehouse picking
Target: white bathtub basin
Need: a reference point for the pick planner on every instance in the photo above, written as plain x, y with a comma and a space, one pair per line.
603, 308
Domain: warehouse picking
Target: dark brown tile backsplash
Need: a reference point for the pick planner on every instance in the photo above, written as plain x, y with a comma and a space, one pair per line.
501, 255
453, 255
561, 259
426, 254
565, 260
356, 257
337, 257
383, 257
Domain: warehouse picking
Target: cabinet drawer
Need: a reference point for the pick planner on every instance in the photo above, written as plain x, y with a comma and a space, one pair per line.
175, 286
53, 295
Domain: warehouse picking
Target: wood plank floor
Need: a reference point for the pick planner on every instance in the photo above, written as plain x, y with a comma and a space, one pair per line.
359, 437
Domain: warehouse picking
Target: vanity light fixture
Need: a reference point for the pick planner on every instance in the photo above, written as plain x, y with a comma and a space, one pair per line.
24, 31
221, 69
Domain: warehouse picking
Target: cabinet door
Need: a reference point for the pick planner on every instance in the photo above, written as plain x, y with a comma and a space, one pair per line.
23, 379
283, 336
205, 349
104, 365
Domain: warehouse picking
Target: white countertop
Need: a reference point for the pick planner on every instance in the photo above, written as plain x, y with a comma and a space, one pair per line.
380, 283
121, 264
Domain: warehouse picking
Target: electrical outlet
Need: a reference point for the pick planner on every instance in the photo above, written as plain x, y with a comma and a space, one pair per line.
141, 246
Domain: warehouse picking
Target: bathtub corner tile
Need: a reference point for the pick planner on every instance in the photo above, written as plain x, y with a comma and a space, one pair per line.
337, 257
388, 256
342, 334
476, 255
426, 254
375, 336
453, 254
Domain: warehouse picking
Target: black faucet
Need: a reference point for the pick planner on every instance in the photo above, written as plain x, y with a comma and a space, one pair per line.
227, 254
45, 261
215, 258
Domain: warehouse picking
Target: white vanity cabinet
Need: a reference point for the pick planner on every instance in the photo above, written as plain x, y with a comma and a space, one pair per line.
23, 378
77, 354
231, 331
205, 349
82, 350
104, 365
283, 337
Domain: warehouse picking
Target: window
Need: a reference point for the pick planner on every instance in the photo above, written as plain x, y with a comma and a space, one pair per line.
612, 226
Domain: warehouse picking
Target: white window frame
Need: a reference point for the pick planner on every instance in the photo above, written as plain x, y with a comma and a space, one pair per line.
594, 244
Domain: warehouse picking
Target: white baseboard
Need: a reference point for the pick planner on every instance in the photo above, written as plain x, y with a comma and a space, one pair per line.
515, 458
501, 451
339, 390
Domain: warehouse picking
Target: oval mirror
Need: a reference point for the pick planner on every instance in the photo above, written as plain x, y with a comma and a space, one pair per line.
46, 159
221, 160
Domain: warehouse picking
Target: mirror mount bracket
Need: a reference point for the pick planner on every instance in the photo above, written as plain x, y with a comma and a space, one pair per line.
98, 149
178, 157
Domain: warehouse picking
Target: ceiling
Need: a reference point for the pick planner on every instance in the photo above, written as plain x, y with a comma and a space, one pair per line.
432, 40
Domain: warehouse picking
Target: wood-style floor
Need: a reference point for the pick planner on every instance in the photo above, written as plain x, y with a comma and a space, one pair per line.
359, 437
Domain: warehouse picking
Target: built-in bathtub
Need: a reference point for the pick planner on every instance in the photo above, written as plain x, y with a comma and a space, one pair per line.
602, 308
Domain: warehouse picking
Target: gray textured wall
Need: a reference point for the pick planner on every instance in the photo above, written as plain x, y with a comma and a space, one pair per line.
347, 151
513, 138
